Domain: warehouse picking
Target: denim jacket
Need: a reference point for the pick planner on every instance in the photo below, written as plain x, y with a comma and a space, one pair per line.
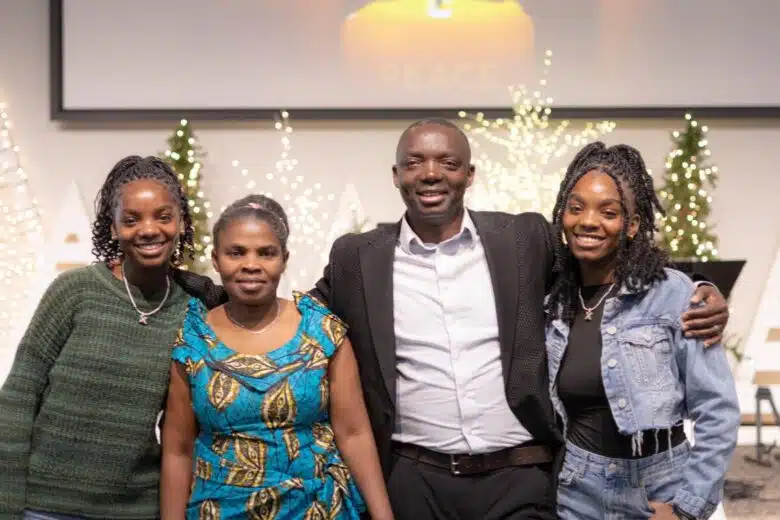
654, 378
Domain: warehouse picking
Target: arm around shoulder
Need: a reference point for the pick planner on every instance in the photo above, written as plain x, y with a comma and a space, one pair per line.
21, 394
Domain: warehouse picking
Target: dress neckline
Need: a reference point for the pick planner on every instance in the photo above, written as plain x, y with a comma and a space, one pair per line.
208, 330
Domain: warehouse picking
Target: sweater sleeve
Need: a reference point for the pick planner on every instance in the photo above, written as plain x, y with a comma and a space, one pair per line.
21, 394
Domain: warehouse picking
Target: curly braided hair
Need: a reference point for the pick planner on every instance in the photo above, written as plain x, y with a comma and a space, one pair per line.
640, 261
127, 170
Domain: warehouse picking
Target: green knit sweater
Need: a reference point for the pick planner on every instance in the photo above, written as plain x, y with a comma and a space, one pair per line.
80, 405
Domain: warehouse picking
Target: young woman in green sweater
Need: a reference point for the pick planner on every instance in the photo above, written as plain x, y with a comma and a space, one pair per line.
79, 409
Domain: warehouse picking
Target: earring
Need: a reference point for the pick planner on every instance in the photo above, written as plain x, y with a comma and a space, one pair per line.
563, 239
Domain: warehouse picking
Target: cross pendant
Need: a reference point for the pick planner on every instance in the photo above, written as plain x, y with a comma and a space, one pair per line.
588, 315
143, 319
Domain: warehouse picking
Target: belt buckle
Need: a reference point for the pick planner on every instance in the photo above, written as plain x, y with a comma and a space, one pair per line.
454, 465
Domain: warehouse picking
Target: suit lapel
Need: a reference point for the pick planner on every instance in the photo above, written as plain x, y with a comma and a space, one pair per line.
500, 244
376, 265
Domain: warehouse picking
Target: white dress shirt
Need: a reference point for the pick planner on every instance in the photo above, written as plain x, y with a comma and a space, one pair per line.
449, 383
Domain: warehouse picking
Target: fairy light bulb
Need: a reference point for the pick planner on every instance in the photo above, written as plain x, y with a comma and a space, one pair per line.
21, 233
515, 155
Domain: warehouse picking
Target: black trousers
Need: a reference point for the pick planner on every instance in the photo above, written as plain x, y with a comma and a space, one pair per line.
419, 491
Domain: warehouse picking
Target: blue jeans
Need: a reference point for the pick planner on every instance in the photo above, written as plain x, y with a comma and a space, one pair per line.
594, 487
40, 515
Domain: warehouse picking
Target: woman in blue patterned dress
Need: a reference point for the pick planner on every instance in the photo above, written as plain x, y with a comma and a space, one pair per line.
265, 398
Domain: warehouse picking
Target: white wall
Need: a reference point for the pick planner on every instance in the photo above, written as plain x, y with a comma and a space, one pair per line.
746, 206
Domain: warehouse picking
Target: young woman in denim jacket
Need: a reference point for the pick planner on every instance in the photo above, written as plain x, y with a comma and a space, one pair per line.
623, 376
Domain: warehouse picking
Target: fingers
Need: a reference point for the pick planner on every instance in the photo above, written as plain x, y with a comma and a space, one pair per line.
694, 327
711, 335
703, 312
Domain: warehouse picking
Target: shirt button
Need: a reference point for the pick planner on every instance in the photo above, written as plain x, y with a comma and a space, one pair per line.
622, 403
612, 363
611, 330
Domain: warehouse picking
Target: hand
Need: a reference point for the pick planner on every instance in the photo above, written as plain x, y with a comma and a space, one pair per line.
708, 321
662, 511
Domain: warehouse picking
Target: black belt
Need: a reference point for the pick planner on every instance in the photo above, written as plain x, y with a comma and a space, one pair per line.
475, 464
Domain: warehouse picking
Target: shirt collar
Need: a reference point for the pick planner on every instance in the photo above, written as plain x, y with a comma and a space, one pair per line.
407, 238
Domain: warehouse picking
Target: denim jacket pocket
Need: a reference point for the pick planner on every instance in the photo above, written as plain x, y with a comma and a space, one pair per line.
648, 350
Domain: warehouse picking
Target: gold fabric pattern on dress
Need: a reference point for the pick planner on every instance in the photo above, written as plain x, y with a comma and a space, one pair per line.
312, 349
293, 483
334, 328
336, 503
222, 390
320, 461
252, 366
317, 511
292, 443
279, 406
251, 455
210, 342
264, 504
209, 510
341, 476
220, 445
323, 435
193, 367
202, 469
324, 393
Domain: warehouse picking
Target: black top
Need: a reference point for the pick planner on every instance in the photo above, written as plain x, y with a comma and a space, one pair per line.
581, 390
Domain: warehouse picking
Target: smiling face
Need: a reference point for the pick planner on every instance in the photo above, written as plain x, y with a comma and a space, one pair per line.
432, 173
593, 219
250, 260
146, 223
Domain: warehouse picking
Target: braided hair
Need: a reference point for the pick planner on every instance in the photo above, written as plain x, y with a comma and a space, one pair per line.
134, 168
259, 207
640, 261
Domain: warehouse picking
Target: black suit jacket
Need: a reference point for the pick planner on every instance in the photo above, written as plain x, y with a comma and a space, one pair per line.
357, 285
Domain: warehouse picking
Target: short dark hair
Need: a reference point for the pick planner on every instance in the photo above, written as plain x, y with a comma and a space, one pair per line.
433, 121
134, 168
640, 261
260, 207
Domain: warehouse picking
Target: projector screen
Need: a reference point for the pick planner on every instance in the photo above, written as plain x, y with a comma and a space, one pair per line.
329, 58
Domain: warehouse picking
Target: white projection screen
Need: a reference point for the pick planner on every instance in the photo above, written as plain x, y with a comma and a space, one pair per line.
388, 58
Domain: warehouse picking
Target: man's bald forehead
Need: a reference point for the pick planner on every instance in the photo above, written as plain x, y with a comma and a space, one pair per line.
434, 122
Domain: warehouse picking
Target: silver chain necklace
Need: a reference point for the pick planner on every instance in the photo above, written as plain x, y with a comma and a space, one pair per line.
589, 310
143, 317
254, 331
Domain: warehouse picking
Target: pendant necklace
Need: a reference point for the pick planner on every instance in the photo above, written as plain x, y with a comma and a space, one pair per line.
143, 317
589, 310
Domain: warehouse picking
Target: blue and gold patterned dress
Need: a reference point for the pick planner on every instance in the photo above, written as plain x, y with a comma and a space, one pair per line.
265, 449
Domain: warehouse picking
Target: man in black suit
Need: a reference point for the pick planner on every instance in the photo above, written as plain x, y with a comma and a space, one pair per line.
445, 310
445, 315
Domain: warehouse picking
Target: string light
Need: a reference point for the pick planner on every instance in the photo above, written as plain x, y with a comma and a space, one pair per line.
183, 155
350, 218
309, 206
516, 171
684, 230
21, 236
